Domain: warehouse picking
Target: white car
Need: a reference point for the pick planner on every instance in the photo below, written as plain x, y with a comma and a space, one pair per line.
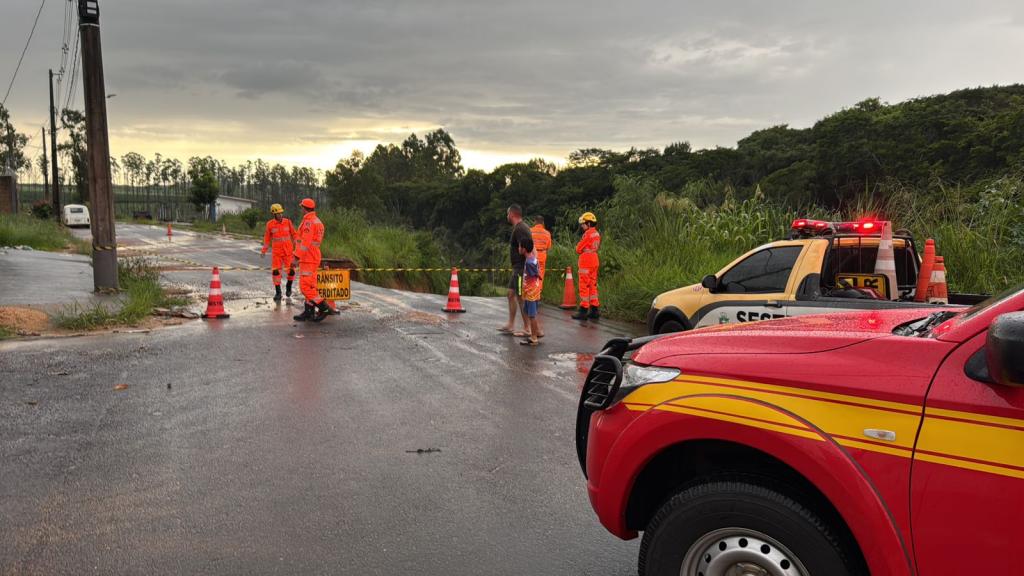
75, 215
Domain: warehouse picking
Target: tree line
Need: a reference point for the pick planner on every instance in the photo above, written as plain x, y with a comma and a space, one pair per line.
956, 138
961, 137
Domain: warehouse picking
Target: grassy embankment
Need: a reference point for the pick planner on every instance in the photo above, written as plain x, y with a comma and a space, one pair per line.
142, 293
25, 230
654, 241
348, 234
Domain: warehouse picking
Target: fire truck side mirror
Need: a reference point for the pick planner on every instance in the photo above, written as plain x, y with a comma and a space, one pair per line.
710, 282
1005, 349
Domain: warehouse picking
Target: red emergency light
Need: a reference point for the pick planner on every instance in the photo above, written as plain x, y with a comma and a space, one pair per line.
863, 226
803, 224
807, 226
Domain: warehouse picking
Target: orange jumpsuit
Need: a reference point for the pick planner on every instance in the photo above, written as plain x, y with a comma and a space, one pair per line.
588, 264
542, 243
307, 250
279, 238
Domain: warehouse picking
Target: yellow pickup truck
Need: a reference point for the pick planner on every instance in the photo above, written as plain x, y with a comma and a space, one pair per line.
822, 267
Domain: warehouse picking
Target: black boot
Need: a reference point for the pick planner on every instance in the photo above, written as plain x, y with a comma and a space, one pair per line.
595, 312
307, 313
288, 289
322, 311
277, 293
581, 314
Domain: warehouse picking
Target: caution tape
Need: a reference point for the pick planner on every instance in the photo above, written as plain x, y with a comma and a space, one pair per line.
99, 248
430, 269
267, 268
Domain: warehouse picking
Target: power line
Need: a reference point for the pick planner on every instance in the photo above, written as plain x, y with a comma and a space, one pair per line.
76, 57
23, 50
65, 34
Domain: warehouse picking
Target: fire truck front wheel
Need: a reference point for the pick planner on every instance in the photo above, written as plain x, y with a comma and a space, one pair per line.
732, 527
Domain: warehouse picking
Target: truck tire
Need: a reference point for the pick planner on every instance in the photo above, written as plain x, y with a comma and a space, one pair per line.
734, 527
670, 326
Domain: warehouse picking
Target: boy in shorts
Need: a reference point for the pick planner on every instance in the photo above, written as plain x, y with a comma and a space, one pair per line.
531, 294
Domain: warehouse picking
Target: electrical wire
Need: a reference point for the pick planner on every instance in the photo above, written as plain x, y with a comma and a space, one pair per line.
76, 55
23, 50
65, 35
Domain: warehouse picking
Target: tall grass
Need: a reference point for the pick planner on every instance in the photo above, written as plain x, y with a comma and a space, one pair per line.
141, 286
24, 230
348, 234
653, 241
978, 229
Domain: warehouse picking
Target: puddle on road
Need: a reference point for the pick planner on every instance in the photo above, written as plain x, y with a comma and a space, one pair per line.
578, 362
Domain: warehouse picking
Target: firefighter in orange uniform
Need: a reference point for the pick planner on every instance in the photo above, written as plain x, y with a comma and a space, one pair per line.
590, 306
307, 254
279, 239
541, 243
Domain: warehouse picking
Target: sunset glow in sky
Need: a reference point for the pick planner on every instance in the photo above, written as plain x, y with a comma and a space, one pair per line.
308, 81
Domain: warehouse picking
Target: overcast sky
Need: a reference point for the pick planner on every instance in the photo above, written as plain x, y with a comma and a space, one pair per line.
307, 81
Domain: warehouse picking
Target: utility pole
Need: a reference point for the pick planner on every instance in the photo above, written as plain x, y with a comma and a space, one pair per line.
104, 238
46, 164
53, 152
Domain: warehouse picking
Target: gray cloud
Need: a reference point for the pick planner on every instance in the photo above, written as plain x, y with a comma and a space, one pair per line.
524, 75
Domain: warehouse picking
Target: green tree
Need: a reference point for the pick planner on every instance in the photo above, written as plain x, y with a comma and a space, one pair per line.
74, 150
12, 144
204, 188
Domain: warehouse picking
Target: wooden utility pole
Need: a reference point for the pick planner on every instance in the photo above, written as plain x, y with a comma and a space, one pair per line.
104, 238
53, 152
46, 165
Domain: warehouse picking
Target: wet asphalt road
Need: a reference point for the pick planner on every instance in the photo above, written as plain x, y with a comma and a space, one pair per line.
258, 445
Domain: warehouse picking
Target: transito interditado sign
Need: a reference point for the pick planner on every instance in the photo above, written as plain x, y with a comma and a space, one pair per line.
333, 284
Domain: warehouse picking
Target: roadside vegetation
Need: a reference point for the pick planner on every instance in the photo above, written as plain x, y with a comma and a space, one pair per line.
350, 235
948, 166
25, 230
140, 285
654, 241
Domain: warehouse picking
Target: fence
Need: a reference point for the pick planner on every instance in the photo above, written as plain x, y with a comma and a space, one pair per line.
168, 203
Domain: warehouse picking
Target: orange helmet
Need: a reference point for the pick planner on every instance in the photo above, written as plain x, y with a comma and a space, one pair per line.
308, 203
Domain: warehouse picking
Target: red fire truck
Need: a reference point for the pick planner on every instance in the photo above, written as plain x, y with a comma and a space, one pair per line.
884, 442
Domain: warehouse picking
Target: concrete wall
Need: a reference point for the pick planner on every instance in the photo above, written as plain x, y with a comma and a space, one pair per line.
8, 194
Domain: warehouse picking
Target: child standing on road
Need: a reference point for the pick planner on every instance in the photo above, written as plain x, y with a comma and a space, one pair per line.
531, 294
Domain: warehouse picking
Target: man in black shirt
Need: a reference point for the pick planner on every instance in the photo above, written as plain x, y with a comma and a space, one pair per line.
521, 236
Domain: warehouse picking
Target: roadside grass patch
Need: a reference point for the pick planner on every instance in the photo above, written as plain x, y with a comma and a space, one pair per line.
654, 241
6, 333
24, 230
140, 284
348, 234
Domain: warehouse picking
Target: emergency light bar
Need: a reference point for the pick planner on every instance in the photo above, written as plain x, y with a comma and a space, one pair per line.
808, 227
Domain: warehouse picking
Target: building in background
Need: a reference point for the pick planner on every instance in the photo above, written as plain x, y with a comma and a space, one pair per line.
231, 205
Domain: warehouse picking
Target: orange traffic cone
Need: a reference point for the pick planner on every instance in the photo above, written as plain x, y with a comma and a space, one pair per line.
169, 232
937, 292
569, 296
924, 276
885, 261
215, 302
454, 302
